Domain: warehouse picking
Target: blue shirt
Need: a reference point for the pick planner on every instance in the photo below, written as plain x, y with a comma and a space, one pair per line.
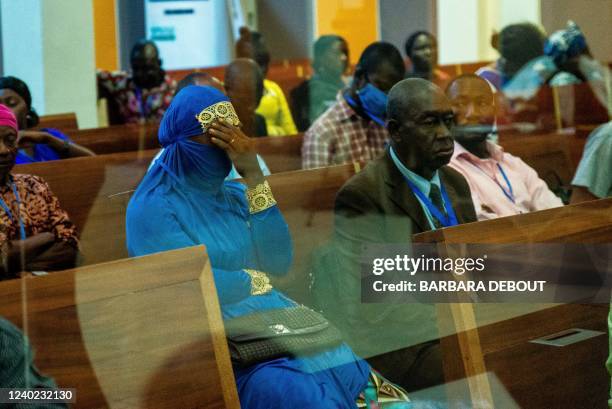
42, 152
420, 182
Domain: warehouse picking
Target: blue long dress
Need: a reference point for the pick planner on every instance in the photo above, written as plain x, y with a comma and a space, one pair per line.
183, 201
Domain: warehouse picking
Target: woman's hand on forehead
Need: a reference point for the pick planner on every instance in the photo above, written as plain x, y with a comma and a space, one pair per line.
239, 147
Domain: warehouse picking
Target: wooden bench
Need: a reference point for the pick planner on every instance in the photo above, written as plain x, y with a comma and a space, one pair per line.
62, 122
105, 184
549, 154
117, 138
140, 333
86, 189
281, 154
306, 199
535, 375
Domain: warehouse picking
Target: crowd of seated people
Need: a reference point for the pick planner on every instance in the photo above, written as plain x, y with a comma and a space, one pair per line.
428, 143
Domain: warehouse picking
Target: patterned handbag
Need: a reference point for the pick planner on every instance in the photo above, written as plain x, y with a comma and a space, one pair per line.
286, 332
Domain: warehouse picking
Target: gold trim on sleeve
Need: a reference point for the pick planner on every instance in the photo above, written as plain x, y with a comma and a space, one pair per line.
260, 198
260, 283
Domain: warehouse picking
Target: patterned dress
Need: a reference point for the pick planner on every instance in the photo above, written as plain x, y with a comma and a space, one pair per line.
39, 211
132, 103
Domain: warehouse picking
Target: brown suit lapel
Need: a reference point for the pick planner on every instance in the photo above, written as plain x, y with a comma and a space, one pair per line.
402, 195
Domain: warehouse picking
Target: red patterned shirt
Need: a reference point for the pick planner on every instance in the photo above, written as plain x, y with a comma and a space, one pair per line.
341, 136
133, 103
40, 211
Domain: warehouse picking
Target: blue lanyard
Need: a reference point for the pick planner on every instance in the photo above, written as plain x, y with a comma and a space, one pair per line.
508, 193
142, 105
373, 117
8, 212
447, 221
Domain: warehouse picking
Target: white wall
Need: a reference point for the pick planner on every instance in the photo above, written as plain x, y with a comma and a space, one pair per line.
593, 16
22, 48
519, 11
465, 26
50, 45
458, 31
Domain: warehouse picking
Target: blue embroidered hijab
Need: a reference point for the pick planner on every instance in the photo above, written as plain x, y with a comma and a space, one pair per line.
184, 189
565, 44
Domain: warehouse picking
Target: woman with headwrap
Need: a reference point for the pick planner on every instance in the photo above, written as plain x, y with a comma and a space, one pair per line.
184, 201
567, 60
517, 45
315, 95
35, 145
35, 233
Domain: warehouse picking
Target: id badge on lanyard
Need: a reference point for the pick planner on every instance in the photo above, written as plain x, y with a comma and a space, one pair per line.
446, 221
8, 212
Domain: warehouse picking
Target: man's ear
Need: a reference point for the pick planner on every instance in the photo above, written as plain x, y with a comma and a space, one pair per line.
393, 127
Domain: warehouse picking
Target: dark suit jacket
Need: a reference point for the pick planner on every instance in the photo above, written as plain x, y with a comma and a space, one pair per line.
381, 192
377, 206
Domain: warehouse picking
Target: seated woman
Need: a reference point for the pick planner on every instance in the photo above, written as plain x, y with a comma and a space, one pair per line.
567, 60
35, 233
422, 50
273, 105
517, 45
184, 200
35, 145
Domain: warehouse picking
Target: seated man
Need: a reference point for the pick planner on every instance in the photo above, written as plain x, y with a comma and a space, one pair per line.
315, 95
142, 95
35, 233
353, 129
407, 190
273, 105
501, 184
593, 179
244, 85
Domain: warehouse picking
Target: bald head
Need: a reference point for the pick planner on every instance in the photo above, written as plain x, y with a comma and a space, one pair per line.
244, 87
411, 96
244, 81
473, 102
469, 82
420, 122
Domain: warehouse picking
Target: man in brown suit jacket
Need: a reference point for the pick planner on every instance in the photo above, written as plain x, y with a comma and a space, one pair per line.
381, 205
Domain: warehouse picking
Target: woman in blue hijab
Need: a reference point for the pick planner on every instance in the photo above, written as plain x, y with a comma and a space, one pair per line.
184, 200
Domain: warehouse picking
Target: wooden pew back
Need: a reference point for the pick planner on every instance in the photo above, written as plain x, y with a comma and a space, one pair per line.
569, 376
281, 153
86, 188
63, 122
117, 138
306, 199
145, 332
549, 154
105, 184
